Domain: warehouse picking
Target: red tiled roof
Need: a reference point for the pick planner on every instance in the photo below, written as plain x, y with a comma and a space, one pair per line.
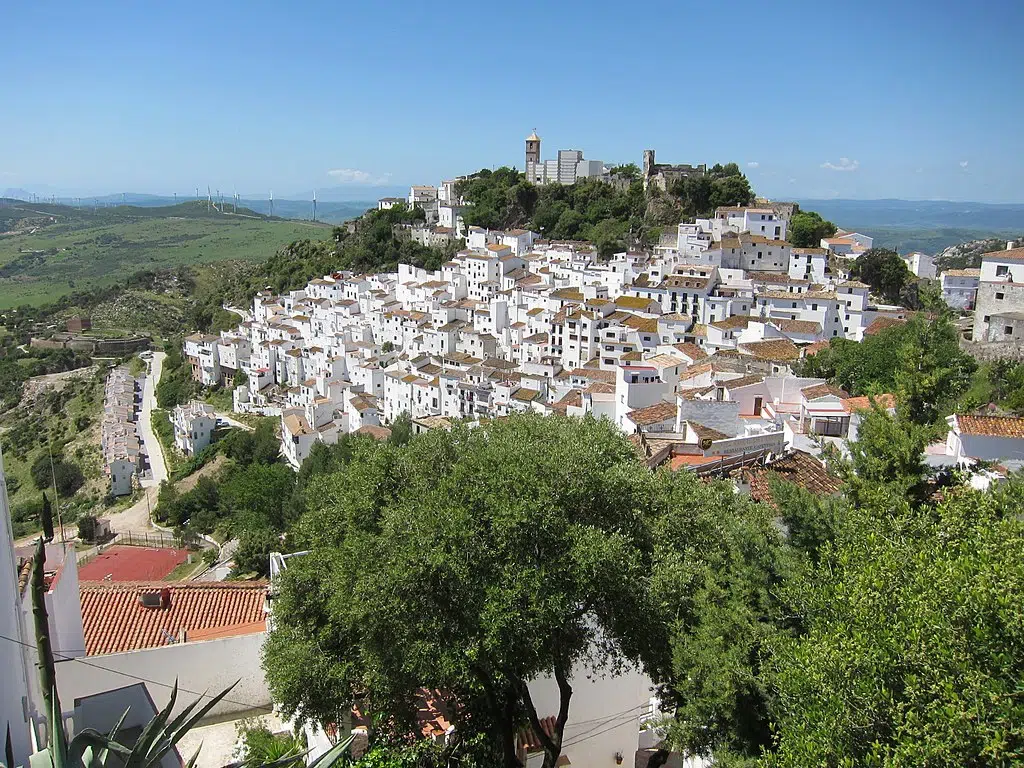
777, 350
882, 323
652, 414
991, 426
798, 468
863, 403
1013, 254
115, 620
815, 391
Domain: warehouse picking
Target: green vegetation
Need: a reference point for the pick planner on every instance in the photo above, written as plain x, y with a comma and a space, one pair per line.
176, 385
75, 248
920, 361
64, 419
999, 383
378, 243
880, 629
908, 654
808, 228
593, 210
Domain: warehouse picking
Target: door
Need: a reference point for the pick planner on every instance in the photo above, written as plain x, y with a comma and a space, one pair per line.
758, 402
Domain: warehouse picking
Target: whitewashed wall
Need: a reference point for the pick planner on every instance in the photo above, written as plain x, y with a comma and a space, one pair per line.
208, 666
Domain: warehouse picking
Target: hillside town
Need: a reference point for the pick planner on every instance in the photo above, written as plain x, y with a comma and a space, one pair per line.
689, 347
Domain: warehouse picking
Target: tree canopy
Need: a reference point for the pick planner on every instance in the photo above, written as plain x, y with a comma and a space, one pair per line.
472, 562
912, 644
808, 228
884, 271
920, 361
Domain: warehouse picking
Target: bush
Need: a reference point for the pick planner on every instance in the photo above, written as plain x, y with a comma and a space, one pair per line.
87, 528
66, 476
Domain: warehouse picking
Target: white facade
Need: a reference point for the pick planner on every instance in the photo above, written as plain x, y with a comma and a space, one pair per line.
194, 424
960, 287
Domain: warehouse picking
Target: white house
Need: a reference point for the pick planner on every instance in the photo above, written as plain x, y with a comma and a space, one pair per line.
194, 424
960, 287
920, 264
999, 312
987, 438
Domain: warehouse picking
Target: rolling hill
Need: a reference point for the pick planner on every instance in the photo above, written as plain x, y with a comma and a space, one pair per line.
49, 250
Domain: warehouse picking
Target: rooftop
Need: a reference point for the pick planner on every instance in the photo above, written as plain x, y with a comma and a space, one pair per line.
115, 620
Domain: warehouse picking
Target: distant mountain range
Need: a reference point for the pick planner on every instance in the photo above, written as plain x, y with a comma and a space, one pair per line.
922, 225
329, 209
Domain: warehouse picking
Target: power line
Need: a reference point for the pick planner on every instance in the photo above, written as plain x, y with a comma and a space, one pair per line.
247, 705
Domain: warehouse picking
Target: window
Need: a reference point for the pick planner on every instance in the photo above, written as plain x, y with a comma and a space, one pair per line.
1001, 270
1008, 330
985, 318
1000, 296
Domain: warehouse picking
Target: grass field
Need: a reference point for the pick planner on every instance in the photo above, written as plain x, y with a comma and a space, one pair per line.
56, 253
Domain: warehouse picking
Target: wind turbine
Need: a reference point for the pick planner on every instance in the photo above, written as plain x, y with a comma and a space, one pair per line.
271, 203
314, 205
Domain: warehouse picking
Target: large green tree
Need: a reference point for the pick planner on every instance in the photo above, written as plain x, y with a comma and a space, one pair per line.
719, 562
884, 271
913, 644
471, 561
807, 228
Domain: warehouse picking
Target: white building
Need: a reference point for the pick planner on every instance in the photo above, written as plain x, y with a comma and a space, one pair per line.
986, 438
999, 313
960, 287
920, 264
194, 424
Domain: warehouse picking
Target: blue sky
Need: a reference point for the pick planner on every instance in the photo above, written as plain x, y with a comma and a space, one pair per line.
840, 99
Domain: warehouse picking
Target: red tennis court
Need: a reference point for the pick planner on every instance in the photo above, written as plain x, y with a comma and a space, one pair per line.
132, 564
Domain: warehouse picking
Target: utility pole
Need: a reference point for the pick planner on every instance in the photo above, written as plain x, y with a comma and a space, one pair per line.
56, 496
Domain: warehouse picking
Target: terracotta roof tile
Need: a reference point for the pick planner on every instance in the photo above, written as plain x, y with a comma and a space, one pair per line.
991, 426
882, 323
816, 391
115, 620
772, 349
799, 468
652, 414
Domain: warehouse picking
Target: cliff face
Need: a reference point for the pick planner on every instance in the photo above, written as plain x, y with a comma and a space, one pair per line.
968, 255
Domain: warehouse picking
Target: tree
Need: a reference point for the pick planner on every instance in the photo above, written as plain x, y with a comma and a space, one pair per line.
884, 271
87, 527
66, 475
254, 549
401, 429
807, 228
912, 643
718, 562
629, 171
888, 457
46, 518
933, 372
470, 561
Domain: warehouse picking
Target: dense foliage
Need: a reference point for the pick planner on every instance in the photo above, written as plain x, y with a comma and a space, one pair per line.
722, 185
884, 271
920, 361
814, 631
913, 641
608, 215
808, 228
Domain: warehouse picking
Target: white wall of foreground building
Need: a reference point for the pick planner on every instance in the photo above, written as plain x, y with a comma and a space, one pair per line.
207, 666
604, 714
14, 691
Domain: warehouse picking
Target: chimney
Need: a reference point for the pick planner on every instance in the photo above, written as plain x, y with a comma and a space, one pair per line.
1011, 244
165, 597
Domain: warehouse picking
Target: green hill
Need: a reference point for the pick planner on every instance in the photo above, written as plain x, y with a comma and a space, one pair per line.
47, 251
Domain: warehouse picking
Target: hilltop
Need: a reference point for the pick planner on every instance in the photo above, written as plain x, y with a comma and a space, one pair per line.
47, 250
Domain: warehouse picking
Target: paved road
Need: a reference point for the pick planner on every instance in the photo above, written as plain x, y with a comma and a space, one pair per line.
158, 469
232, 421
246, 316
